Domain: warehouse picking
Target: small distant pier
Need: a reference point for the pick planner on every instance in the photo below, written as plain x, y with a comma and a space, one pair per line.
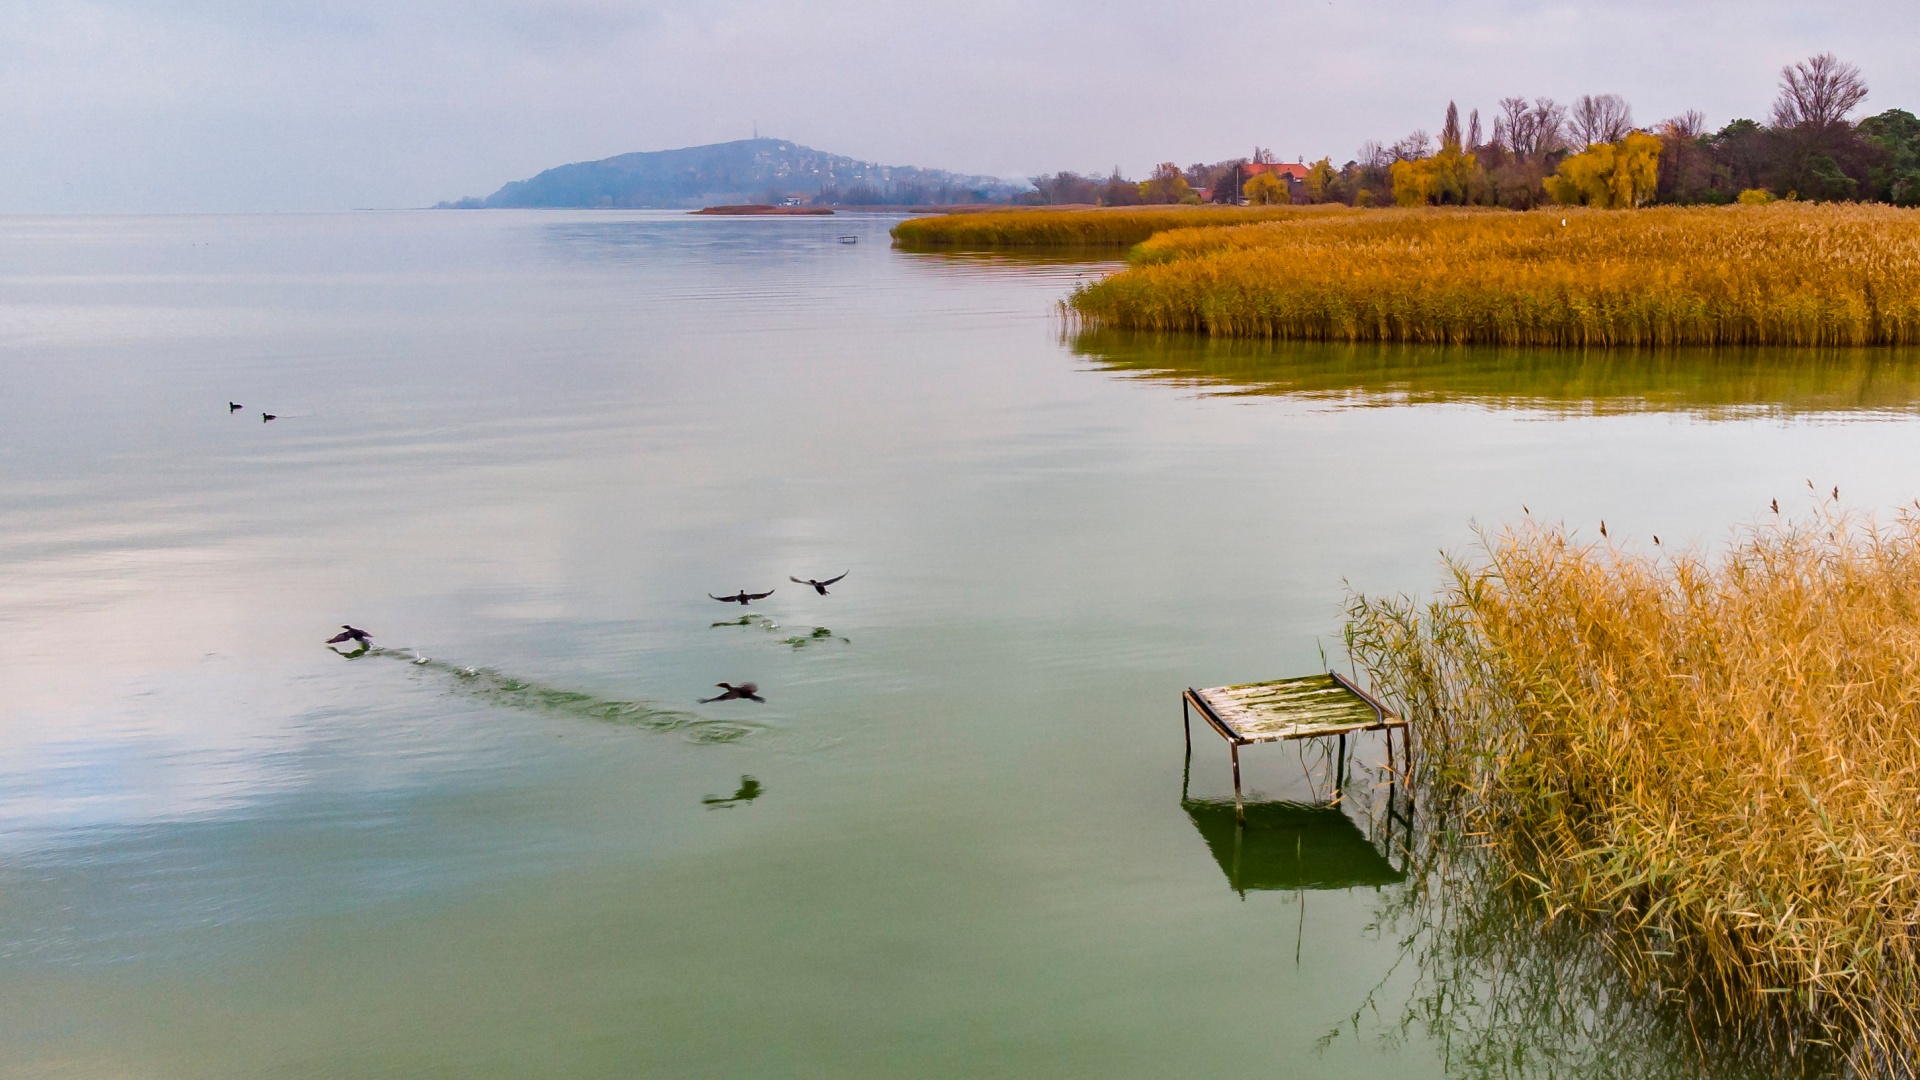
1308, 707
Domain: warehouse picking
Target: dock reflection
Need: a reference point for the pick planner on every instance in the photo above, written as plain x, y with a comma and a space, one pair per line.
1289, 846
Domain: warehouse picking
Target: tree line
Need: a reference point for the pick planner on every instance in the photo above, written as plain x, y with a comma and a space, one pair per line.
1589, 151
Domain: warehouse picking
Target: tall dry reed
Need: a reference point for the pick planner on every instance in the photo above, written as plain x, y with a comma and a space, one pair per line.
1115, 226
1717, 753
1788, 274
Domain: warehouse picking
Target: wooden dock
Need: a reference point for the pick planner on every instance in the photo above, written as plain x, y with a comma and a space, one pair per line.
1309, 707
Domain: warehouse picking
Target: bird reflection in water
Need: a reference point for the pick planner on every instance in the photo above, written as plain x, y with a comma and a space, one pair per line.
749, 790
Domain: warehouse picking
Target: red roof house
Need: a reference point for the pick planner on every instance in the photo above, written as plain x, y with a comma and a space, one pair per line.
1291, 171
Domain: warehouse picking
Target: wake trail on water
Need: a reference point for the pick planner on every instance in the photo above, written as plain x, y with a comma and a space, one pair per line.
499, 688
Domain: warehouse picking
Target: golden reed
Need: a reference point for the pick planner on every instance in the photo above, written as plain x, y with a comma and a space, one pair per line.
1114, 226
1787, 274
1718, 754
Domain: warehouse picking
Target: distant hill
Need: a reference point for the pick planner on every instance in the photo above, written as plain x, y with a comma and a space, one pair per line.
750, 170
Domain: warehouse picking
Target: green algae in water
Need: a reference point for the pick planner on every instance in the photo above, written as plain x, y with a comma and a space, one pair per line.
820, 636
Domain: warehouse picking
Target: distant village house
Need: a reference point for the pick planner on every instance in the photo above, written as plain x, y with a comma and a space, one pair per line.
1293, 172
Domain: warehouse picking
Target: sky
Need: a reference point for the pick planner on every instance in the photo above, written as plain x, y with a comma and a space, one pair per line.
272, 105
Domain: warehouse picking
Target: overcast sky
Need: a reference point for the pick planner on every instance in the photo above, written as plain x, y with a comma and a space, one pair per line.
189, 105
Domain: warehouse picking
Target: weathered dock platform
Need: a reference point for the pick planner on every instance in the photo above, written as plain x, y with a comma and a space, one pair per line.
1308, 707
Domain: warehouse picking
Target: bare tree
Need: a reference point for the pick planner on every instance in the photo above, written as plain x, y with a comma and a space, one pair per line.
1510, 122
1819, 92
1375, 156
1603, 119
1473, 130
1067, 187
1413, 147
1534, 128
1686, 167
1688, 125
1263, 156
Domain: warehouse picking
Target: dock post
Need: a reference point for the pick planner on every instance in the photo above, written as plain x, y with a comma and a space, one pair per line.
1239, 808
1186, 723
1340, 767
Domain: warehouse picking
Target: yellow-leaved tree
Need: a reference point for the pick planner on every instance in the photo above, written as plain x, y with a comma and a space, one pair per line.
1609, 176
1166, 185
1448, 178
1266, 189
1320, 177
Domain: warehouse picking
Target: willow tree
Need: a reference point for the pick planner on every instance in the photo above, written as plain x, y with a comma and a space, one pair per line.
1266, 189
1610, 176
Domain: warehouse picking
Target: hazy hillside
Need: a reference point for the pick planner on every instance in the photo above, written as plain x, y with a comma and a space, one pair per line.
750, 170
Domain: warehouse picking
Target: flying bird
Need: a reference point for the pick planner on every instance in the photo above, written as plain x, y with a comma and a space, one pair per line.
747, 690
266, 416
818, 586
743, 597
348, 633
234, 407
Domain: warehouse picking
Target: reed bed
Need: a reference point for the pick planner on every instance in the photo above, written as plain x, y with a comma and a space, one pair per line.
1088, 227
1713, 755
1787, 274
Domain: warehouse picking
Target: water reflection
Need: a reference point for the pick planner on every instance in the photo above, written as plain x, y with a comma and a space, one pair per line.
1730, 383
1484, 974
1289, 845
1503, 989
506, 691
536, 438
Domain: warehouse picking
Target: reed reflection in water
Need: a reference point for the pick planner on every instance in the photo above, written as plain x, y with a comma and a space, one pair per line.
1485, 976
1503, 988
1725, 383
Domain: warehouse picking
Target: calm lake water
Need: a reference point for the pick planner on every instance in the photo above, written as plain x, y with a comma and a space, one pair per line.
524, 447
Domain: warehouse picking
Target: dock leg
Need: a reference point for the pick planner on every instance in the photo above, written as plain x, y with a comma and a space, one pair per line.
1239, 833
1340, 767
1390, 771
1239, 808
1186, 722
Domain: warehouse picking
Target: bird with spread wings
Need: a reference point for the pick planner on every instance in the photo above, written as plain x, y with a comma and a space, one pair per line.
743, 597
818, 586
747, 690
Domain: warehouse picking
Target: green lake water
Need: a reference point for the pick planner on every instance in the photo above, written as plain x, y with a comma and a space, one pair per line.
957, 839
